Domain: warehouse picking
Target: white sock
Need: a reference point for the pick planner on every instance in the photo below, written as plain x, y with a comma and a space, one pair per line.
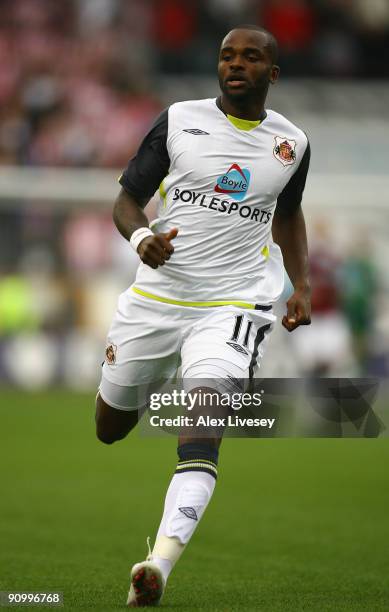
186, 499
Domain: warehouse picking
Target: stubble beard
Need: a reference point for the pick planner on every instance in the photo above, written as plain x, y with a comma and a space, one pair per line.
249, 95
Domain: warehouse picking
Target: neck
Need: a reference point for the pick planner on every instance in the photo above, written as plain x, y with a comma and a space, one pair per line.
243, 109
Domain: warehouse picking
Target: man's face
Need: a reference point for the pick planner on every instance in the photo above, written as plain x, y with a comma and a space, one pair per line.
245, 66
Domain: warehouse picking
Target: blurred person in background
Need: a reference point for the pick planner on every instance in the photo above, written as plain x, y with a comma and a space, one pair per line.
325, 348
359, 287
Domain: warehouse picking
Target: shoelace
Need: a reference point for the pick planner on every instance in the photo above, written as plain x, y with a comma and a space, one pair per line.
149, 556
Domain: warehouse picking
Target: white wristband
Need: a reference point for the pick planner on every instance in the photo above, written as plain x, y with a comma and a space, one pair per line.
138, 236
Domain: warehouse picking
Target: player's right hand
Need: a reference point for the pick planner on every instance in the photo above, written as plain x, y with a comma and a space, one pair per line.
155, 250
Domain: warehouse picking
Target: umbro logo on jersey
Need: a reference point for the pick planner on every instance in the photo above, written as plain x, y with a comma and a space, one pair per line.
197, 132
234, 182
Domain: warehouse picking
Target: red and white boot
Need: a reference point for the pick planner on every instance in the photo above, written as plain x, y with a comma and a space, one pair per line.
147, 584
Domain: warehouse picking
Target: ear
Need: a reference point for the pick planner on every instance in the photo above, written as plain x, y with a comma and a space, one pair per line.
274, 74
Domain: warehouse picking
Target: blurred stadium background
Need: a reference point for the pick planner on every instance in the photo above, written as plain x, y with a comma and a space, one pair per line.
81, 81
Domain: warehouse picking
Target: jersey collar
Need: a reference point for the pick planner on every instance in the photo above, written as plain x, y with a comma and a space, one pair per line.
245, 125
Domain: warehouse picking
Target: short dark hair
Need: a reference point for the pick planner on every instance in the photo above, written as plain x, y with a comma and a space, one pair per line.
272, 41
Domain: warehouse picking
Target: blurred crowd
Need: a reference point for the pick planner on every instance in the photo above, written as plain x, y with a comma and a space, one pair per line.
77, 80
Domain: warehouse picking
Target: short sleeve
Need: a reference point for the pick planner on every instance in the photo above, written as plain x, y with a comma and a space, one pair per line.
290, 197
150, 165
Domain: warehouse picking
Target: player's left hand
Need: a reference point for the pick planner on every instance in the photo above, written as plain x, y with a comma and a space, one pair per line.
298, 309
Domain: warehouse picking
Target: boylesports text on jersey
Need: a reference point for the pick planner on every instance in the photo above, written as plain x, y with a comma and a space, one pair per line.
222, 206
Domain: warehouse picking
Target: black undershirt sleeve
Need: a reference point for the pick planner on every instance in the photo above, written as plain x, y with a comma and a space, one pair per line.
150, 165
290, 197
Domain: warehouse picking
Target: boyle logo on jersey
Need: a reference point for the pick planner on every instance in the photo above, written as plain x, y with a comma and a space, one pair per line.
234, 182
285, 150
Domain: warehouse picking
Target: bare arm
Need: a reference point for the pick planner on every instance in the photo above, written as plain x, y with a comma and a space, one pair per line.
140, 180
290, 234
128, 216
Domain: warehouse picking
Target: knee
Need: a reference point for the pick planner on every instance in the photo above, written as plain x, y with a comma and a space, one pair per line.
107, 437
112, 424
104, 432
104, 438
107, 433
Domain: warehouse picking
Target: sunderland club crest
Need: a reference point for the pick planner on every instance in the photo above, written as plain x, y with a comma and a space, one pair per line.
285, 150
110, 354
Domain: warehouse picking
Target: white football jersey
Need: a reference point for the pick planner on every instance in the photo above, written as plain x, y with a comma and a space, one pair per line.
219, 185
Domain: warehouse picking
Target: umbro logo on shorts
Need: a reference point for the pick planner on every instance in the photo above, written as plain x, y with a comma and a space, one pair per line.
237, 347
189, 512
235, 381
197, 132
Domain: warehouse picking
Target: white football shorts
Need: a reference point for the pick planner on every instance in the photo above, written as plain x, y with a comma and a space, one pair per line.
149, 340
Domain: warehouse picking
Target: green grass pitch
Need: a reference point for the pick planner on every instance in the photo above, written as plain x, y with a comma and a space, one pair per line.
293, 525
